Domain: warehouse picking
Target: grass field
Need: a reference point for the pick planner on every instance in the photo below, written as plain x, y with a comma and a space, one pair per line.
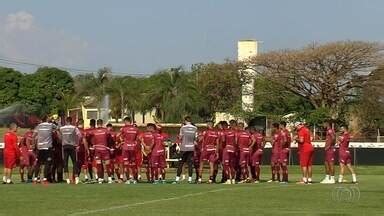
366, 198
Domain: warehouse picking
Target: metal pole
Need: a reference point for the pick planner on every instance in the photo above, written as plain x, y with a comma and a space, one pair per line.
167, 149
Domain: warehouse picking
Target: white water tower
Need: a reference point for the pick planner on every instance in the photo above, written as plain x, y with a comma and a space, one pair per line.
247, 49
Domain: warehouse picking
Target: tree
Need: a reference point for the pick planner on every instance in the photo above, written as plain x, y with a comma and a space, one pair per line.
275, 101
9, 86
369, 107
127, 94
174, 94
327, 75
94, 85
41, 91
220, 85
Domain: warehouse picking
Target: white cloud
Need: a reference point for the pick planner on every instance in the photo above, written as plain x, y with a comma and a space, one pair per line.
21, 37
20, 21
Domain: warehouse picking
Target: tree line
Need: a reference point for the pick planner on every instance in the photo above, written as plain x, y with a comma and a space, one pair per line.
342, 81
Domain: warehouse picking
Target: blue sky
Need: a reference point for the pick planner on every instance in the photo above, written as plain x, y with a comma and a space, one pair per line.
146, 36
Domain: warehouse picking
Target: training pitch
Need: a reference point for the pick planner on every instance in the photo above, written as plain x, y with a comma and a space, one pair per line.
365, 198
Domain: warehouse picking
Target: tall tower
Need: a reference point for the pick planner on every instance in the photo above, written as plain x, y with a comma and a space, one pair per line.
247, 49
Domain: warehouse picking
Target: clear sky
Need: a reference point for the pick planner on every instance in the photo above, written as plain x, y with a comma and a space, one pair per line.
145, 36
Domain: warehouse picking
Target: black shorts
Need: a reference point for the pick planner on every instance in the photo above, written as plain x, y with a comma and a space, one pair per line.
44, 156
186, 156
69, 152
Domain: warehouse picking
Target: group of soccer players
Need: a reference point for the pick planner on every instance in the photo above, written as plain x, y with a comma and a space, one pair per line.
239, 151
234, 147
97, 150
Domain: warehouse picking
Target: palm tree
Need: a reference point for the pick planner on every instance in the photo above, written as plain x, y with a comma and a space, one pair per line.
174, 94
69, 100
94, 86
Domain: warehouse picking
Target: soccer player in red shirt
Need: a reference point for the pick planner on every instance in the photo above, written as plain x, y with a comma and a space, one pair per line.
11, 152
284, 154
89, 165
158, 159
305, 152
147, 141
229, 153
345, 158
28, 155
99, 138
210, 151
112, 145
329, 150
129, 138
81, 152
258, 145
244, 142
276, 151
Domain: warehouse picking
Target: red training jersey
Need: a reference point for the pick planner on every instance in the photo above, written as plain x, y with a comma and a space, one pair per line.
129, 135
28, 140
305, 135
344, 142
258, 138
286, 138
148, 139
159, 146
210, 138
10, 143
99, 138
230, 140
277, 142
244, 140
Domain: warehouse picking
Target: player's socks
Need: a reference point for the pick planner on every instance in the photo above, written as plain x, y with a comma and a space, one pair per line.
340, 179
68, 181
199, 180
305, 180
100, 172
77, 180
257, 172
110, 180
190, 179
90, 171
354, 178
100, 180
177, 178
215, 175
4, 179
277, 171
210, 181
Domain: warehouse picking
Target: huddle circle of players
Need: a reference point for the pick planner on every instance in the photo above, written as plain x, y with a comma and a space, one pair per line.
121, 155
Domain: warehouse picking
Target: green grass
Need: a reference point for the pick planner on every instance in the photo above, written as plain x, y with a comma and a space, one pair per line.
185, 199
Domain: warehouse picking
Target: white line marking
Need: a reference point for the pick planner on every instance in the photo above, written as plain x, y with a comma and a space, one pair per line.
148, 202
166, 199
